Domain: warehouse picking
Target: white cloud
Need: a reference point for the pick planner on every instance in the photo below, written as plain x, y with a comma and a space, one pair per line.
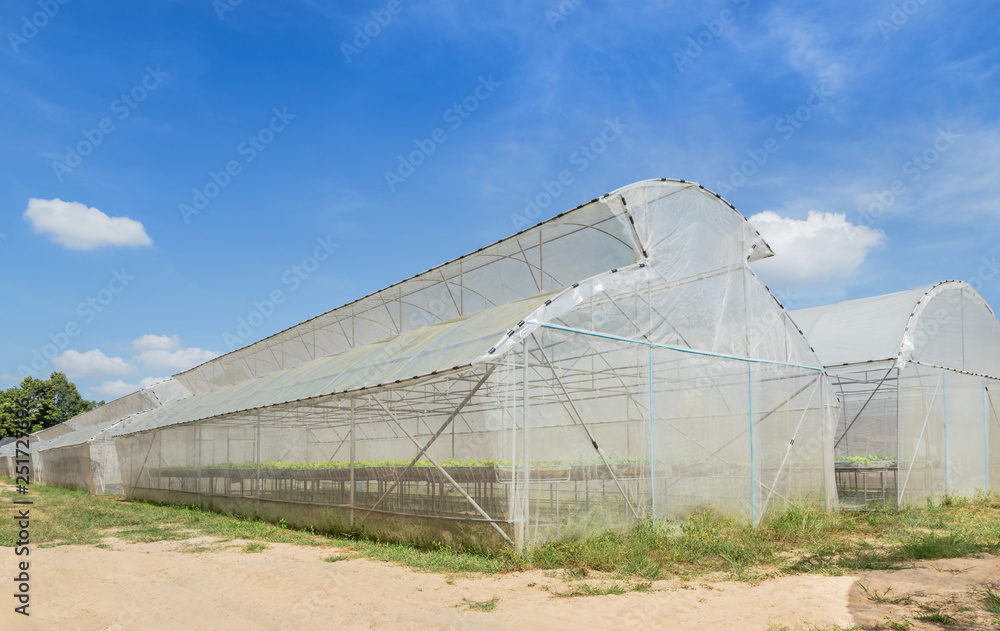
823, 248
110, 390
157, 354
156, 343
174, 361
80, 227
91, 364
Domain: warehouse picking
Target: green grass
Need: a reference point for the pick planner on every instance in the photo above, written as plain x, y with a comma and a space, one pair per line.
604, 589
936, 616
992, 599
484, 605
255, 546
709, 542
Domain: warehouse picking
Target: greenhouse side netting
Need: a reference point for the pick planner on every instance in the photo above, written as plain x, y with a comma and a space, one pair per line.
916, 372
669, 382
79, 453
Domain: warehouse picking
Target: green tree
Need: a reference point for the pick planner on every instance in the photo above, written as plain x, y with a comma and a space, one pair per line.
46, 402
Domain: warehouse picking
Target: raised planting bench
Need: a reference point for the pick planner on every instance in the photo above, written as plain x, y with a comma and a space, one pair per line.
861, 484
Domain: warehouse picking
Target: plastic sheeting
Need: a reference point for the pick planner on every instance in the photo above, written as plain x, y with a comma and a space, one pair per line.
947, 325
913, 371
437, 348
637, 369
79, 453
571, 247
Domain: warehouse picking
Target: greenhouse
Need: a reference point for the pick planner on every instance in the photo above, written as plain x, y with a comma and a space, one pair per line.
38, 439
7, 451
918, 373
85, 457
617, 361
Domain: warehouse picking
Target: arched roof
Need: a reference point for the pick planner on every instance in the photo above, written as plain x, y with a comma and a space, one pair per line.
613, 231
947, 325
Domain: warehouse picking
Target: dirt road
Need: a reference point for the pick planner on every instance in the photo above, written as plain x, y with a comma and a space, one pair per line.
204, 584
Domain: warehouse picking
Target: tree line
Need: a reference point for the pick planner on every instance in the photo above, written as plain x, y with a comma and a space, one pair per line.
47, 402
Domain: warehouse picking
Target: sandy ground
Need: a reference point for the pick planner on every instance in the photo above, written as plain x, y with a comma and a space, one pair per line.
205, 584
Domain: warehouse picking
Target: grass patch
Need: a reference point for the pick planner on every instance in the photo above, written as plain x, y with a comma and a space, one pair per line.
782, 627
255, 546
800, 539
609, 589
339, 557
480, 605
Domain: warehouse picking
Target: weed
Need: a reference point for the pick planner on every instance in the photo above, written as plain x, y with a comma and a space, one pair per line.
936, 616
902, 625
484, 605
884, 597
992, 599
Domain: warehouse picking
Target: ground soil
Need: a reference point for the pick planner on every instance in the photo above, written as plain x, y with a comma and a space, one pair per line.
208, 584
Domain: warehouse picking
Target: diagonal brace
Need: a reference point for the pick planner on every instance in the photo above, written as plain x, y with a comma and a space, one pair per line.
440, 470
593, 441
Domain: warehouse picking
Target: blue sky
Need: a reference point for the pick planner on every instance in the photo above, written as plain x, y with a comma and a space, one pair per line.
230, 146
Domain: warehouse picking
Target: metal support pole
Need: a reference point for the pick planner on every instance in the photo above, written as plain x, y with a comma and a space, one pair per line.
753, 482
353, 484
652, 461
944, 395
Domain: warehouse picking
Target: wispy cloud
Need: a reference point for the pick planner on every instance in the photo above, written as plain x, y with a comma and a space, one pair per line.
809, 50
